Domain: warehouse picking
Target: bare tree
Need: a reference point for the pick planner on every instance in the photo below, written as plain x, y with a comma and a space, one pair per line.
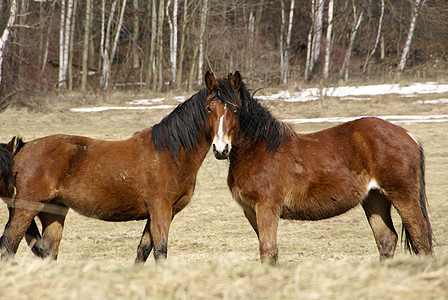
314, 37
106, 35
356, 23
159, 60
151, 64
378, 35
172, 22
5, 35
135, 56
407, 46
85, 50
285, 52
64, 41
183, 34
328, 45
201, 39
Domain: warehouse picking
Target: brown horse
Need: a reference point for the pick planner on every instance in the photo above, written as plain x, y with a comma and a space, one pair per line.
277, 173
151, 176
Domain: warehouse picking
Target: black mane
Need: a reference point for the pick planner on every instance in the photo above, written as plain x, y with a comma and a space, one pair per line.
256, 122
183, 126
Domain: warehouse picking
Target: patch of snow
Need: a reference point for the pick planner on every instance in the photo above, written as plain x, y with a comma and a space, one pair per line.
104, 108
431, 101
404, 120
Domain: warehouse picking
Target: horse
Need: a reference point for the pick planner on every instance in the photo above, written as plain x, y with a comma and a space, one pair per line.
276, 173
151, 175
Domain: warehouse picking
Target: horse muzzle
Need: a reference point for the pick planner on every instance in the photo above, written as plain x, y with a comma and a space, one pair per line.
221, 152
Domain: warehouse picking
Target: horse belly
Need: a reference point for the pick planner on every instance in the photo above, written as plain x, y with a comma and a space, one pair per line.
106, 204
318, 206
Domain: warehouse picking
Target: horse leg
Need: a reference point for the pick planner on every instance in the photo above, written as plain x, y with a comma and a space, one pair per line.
145, 246
415, 221
18, 223
161, 216
268, 215
377, 209
52, 227
252, 218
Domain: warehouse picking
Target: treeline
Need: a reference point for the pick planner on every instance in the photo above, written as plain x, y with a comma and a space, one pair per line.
164, 45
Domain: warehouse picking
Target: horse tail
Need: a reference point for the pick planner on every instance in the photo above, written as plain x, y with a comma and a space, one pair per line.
423, 201
6, 166
7, 153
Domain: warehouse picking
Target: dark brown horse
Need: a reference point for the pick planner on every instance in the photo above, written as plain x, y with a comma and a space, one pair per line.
277, 173
151, 176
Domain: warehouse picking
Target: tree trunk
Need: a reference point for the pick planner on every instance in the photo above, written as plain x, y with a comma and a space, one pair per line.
282, 43
172, 21
105, 39
160, 45
151, 65
70, 51
85, 50
201, 39
407, 46
328, 45
5, 34
135, 56
345, 64
182, 46
378, 35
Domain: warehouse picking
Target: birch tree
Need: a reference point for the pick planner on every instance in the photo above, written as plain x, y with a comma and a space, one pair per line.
378, 35
135, 56
85, 50
5, 35
407, 46
159, 61
329, 33
201, 39
172, 22
106, 53
285, 51
151, 64
64, 41
183, 35
356, 23
314, 37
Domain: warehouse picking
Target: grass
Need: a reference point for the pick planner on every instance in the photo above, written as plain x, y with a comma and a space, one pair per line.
212, 251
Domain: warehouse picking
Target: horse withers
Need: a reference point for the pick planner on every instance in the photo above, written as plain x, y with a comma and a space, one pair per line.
275, 172
151, 175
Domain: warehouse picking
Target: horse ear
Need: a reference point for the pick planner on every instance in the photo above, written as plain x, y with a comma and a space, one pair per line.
235, 80
11, 144
210, 81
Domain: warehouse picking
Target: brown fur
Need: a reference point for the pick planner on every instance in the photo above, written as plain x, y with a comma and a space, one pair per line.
323, 174
108, 180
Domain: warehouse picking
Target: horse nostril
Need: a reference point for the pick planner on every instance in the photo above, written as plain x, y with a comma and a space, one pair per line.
214, 148
226, 150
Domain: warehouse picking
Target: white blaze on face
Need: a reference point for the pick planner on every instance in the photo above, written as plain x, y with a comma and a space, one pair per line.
221, 141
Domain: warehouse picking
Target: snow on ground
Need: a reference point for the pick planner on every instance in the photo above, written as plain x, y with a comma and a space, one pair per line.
403, 120
350, 93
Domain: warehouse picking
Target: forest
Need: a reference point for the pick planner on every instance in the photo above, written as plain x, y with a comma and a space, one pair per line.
167, 45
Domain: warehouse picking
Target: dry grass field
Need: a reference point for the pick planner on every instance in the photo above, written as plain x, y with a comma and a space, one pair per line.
212, 250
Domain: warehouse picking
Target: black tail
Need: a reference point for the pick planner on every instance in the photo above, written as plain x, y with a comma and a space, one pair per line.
7, 153
6, 165
408, 243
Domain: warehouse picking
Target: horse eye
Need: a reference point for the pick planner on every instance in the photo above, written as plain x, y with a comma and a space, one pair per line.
209, 110
235, 109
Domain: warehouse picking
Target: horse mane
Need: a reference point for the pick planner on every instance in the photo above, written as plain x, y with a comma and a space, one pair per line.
256, 122
183, 126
